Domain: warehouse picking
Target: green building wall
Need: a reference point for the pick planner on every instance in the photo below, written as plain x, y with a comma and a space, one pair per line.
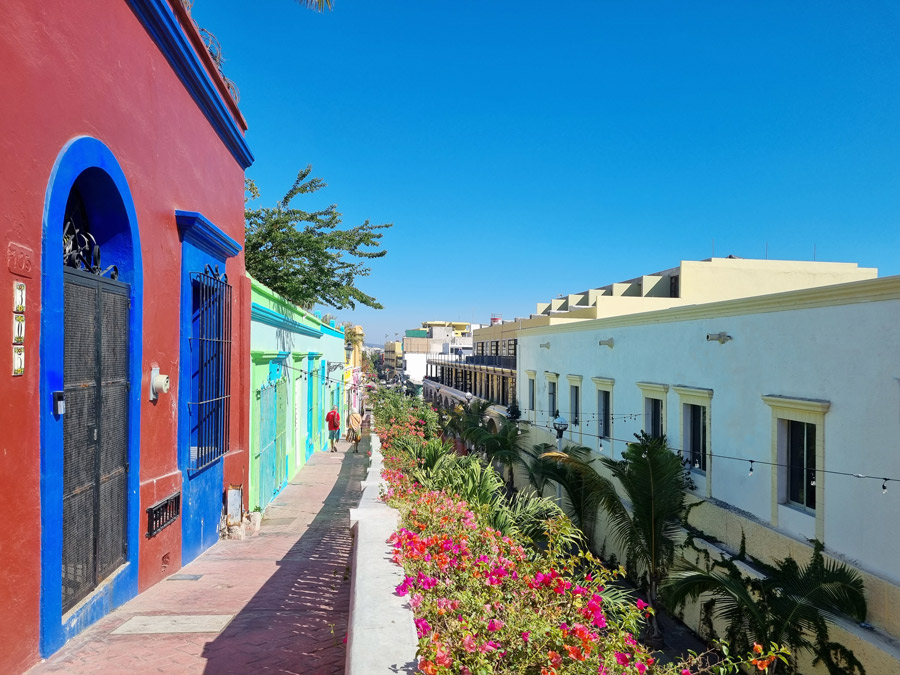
293, 347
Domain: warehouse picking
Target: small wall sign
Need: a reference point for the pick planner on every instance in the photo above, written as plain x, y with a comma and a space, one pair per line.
19, 297
19, 259
18, 360
18, 329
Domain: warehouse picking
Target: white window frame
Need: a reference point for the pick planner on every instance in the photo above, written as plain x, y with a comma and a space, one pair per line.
696, 396
575, 429
810, 411
554, 378
531, 394
605, 385
654, 391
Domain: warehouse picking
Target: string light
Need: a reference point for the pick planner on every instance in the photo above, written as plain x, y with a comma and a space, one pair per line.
686, 461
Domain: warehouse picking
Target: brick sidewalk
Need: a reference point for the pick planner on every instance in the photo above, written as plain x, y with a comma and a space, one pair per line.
287, 589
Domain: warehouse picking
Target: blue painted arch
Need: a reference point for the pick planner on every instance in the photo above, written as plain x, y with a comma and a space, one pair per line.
89, 165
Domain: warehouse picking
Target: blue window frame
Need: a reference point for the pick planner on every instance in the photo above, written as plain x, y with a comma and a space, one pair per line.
210, 404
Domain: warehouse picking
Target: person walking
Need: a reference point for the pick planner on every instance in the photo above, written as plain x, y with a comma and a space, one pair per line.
334, 426
354, 429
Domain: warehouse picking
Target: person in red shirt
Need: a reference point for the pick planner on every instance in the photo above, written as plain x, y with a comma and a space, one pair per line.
334, 426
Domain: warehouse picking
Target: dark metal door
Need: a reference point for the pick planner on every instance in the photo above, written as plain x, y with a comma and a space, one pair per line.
95, 432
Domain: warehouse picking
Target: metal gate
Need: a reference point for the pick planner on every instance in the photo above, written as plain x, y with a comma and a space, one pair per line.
273, 468
95, 436
281, 468
266, 444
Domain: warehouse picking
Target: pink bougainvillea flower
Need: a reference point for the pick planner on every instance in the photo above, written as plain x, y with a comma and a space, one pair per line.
469, 643
641, 605
525, 635
495, 625
622, 659
423, 628
442, 658
641, 668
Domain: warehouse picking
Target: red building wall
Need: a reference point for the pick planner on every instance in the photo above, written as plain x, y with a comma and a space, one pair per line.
94, 70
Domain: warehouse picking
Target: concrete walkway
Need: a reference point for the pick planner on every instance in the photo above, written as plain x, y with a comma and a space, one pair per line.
274, 603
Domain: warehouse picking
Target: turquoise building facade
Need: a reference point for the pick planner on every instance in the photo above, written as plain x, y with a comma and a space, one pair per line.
296, 376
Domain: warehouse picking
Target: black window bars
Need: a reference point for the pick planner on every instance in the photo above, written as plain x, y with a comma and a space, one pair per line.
162, 514
210, 406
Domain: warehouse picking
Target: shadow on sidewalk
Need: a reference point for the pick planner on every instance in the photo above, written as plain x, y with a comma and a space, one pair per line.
297, 621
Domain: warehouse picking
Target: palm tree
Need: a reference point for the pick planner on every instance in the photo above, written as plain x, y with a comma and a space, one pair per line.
573, 470
318, 5
504, 446
653, 481
791, 605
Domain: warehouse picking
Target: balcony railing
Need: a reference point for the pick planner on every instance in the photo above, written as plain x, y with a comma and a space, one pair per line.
508, 362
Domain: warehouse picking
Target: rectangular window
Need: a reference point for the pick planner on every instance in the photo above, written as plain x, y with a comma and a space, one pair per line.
210, 405
575, 403
531, 393
511, 347
653, 412
603, 414
495, 348
551, 399
694, 441
801, 459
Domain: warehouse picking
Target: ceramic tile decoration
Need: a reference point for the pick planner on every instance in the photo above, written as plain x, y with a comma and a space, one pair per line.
19, 297
18, 329
18, 360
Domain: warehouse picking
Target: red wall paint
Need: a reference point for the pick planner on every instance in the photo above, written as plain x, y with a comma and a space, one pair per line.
96, 72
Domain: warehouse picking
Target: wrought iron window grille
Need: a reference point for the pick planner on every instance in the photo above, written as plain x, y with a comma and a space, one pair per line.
80, 250
162, 514
210, 407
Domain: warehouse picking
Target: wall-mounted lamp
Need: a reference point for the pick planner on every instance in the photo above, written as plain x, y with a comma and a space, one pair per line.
607, 343
721, 338
159, 384
544, 345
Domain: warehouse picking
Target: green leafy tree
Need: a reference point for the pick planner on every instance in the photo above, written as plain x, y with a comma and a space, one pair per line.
790, 605
304, 256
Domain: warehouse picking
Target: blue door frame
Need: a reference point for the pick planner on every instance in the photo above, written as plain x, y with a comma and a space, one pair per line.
201, 491
92, 165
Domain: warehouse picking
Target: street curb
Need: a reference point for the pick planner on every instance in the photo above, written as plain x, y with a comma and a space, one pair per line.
381, 636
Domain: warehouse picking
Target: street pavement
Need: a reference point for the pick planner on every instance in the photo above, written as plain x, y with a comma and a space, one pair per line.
283, 596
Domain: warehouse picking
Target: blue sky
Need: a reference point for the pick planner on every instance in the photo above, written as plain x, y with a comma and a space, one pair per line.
523, 150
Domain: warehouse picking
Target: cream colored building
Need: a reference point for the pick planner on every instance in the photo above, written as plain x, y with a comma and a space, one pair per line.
393, 357
747, 385
491, 372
